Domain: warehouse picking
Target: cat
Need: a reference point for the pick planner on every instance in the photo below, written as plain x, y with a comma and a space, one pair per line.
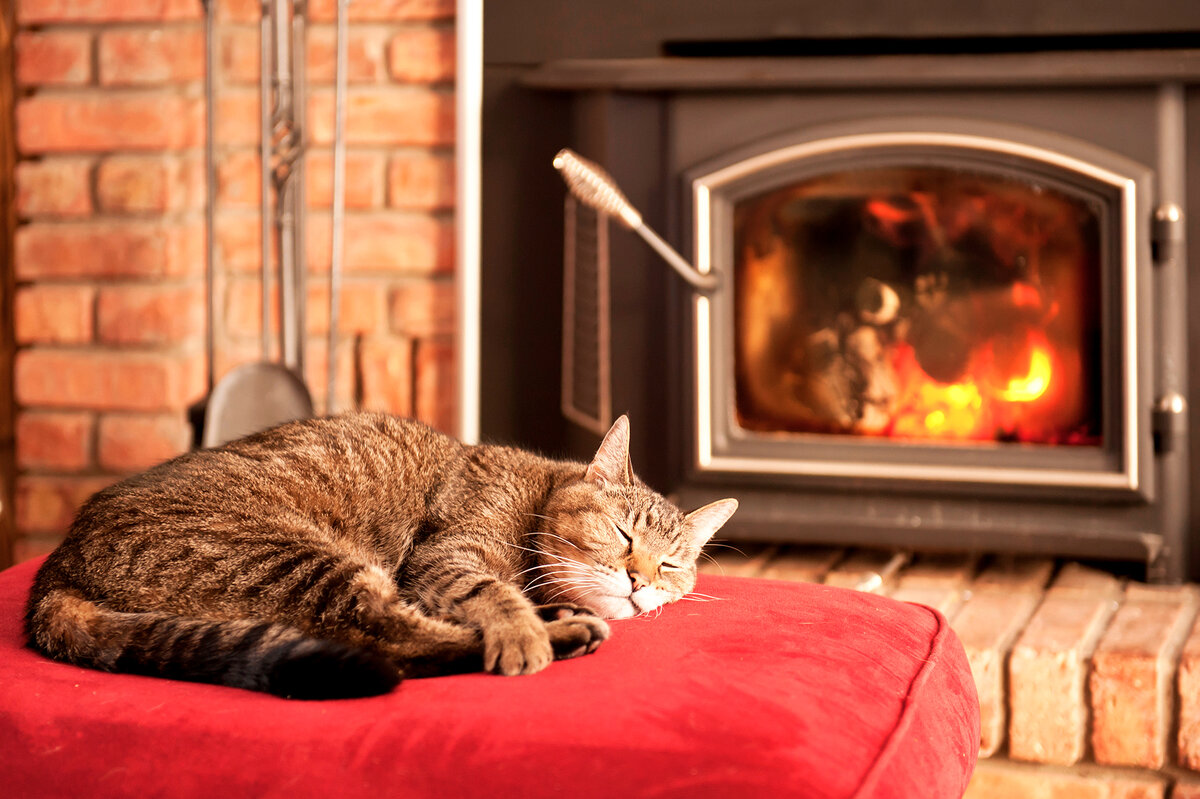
329, 558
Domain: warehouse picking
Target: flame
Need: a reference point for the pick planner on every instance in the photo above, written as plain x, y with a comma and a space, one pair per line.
975, 408
1033, 384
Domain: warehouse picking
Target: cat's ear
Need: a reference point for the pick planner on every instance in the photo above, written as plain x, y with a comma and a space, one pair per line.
611, 464
702, 523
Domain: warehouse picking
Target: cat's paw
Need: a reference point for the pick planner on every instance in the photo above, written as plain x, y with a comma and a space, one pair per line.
512, 649
576, 634
562, 610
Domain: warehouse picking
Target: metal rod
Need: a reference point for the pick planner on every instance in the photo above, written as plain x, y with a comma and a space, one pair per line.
338, 209
210, 171
299, 107
700, 282
267, 136
283, 60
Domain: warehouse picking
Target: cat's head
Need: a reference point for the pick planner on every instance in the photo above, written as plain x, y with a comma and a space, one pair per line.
612, 544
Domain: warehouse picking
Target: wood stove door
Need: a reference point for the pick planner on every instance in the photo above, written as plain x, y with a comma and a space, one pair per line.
919, 301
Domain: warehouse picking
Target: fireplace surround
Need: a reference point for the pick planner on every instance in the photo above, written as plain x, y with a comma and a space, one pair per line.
953, 303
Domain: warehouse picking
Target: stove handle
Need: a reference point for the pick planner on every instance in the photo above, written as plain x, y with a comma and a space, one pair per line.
594, 187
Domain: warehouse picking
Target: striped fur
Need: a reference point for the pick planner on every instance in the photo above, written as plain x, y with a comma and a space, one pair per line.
331, 557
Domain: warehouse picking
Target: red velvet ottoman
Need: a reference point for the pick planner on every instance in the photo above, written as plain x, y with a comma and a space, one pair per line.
777, 690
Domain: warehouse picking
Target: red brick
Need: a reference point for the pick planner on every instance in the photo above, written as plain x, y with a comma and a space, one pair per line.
108, 380
1189, 701
109, 249
803, 564
939, 570
1132, 681
239, 10
383, 10
988, 625
54, 441
48, 314
421, 181
238, 242
97, 122
364, 55
316, 367
128, 443
54, 187
1086, 581
435, 400
54, 58
237, 54
232, 354
1047, 676
873, 571
48, 504
239, 180
422, 55
154, 314
360, 309
150, 56
33, 12
1007, 573
385, 117
744, 560
385, 368
364, 179
1000, 779
386, 244
946, 601
423, 309
1186, 790
236, 121
150, 184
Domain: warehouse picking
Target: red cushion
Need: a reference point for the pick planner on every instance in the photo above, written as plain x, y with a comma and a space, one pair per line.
779, 689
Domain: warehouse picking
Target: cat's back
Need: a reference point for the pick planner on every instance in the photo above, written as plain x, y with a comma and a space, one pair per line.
347, 471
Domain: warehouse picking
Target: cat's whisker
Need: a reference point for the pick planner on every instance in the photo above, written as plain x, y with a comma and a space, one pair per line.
701, 598
559, 537
545, 580
723, 545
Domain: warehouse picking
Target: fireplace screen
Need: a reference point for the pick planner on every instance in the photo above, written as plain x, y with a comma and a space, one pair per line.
919, 303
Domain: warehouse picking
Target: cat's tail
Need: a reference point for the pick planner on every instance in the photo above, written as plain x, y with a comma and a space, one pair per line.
260, 656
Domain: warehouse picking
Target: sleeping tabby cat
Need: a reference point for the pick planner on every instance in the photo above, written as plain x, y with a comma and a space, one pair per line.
330, 557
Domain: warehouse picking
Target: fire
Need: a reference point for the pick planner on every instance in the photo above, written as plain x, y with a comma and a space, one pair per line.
1032, 385
987, 401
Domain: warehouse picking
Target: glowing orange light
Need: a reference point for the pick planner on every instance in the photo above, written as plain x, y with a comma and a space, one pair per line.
1033, 384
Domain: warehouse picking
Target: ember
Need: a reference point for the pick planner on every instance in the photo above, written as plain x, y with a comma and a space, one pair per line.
919, 303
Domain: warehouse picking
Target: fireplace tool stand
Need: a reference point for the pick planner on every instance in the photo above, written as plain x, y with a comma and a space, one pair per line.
258, 395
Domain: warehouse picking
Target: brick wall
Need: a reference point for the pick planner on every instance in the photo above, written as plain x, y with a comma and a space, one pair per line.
109, 250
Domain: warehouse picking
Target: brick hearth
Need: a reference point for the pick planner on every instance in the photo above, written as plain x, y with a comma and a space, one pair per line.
1089, 683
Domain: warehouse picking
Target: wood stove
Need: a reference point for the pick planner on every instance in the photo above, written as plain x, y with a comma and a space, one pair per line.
952, 310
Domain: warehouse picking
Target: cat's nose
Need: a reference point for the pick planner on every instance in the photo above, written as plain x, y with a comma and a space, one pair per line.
638, 580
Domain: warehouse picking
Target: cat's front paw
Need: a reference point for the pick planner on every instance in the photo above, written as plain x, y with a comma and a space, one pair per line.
573, 634
513, 649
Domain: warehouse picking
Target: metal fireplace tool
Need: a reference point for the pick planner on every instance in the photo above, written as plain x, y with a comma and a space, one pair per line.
258, 395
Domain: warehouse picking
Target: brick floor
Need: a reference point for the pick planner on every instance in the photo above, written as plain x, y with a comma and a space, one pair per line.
1089, 684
